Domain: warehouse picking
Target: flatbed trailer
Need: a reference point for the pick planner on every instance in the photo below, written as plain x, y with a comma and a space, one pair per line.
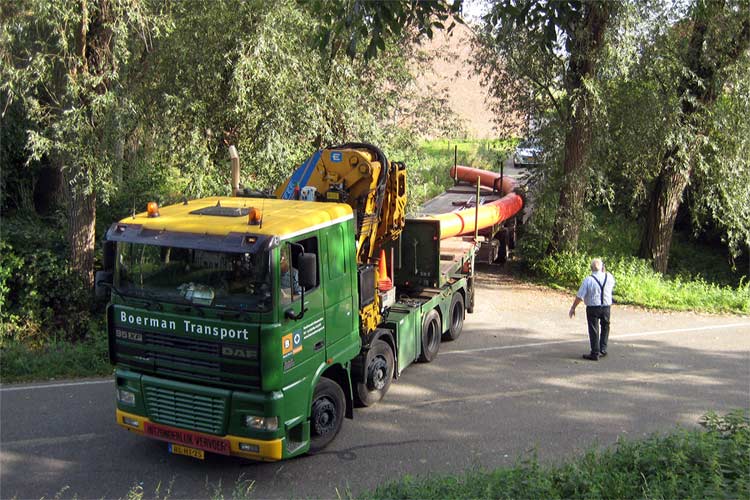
495, 241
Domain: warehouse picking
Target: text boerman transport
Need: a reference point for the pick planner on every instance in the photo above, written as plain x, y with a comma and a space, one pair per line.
190, 327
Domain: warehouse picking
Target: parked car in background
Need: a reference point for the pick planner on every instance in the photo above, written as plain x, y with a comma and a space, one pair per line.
529, 153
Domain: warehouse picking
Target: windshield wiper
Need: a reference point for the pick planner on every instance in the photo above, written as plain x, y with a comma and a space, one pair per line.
148, 304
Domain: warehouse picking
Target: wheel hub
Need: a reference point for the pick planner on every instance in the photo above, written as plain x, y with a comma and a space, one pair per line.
377, 372
324, 416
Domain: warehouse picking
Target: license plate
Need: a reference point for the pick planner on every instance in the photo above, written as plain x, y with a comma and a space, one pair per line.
187, 438
188, 452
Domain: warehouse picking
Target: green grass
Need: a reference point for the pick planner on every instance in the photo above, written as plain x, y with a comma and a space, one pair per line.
429, 166
699, 280
56, 359
479, 153
685, 464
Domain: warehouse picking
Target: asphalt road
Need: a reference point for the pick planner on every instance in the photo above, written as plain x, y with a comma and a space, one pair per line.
513, 383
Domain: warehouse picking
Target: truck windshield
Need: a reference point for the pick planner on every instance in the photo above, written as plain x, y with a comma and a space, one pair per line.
239, 281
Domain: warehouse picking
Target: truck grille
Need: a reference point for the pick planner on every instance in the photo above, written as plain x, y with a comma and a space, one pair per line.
184, 344
187, 410
190, 359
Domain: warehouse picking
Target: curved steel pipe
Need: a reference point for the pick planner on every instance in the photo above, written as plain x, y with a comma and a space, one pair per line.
463, 221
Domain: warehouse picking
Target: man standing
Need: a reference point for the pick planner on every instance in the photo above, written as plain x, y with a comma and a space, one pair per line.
596, 293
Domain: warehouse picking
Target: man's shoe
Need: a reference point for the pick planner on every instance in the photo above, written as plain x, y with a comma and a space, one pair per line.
592, 356
602, 354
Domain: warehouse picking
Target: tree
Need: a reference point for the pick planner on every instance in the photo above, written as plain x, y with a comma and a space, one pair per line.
717, 37
257, 79
64, 61
566, 37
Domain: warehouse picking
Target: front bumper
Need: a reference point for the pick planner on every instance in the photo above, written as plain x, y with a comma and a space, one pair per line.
268, 450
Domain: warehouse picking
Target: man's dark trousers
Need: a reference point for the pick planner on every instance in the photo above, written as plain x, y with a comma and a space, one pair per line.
594, 316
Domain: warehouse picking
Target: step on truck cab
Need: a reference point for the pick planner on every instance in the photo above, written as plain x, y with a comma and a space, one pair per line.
251, 326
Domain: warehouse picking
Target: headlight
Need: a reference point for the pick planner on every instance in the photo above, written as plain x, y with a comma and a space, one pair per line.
126, 397
261, 423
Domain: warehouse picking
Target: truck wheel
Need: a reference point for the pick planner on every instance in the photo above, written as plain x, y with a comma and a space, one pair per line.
431, 333
502, 250
377, 374
326, 414
512, 235
456, 317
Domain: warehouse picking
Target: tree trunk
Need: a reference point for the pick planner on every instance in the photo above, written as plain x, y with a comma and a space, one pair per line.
662, 210
81, 228
705, 61
588, 39
569, 214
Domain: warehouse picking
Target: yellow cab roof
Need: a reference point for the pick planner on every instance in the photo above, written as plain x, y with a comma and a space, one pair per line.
282, 218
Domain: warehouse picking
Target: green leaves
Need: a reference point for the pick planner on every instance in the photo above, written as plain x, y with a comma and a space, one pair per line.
365, 27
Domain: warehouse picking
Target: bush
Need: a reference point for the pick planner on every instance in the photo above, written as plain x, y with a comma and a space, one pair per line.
41, 299
615, 240
57, 359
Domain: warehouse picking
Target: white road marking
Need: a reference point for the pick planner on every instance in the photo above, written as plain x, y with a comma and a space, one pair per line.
611, 337
52, 441
63, 384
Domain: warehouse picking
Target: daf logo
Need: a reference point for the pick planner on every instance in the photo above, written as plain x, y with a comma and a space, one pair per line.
238, 352
128, 335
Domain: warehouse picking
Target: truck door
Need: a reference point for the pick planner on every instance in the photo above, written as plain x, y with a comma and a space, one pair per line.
302, 339
339, 315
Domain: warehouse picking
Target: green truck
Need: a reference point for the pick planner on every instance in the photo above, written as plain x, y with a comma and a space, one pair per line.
252, 326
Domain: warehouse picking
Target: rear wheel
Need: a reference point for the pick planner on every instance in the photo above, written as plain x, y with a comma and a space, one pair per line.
511, 228
377, 373
502, 250
431, 333
456, 317
326, 414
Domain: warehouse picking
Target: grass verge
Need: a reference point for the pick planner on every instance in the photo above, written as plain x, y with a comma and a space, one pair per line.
700, 279
711, 463
479, 153
55, 359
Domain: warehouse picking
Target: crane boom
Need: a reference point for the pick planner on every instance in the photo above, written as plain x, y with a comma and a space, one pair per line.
360, 175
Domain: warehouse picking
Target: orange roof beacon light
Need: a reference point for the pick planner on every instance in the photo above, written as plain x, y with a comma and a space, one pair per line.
153, 209
254, 215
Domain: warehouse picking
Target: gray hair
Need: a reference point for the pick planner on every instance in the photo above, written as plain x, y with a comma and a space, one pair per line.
597, 265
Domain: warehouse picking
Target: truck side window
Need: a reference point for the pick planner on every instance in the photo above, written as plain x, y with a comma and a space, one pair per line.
288, 268
336, 261
289, 280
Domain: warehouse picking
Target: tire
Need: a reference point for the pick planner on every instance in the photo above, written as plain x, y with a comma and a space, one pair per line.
502, 249
431, 334
326, 414
470, 295
378, 366
456, 316
512, 236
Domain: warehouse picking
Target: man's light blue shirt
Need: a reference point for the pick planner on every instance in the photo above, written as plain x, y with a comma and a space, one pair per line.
590, 291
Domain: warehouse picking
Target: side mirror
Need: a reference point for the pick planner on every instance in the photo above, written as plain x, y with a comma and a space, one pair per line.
102, 284
308, 270
108, 255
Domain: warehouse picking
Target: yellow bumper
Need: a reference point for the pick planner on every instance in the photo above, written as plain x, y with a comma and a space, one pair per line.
267, 450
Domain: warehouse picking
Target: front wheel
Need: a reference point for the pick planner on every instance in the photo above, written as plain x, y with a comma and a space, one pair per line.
377, 373
326, 414
431, 333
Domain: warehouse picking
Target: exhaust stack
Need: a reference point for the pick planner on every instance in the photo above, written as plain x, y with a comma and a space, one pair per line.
234, 159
